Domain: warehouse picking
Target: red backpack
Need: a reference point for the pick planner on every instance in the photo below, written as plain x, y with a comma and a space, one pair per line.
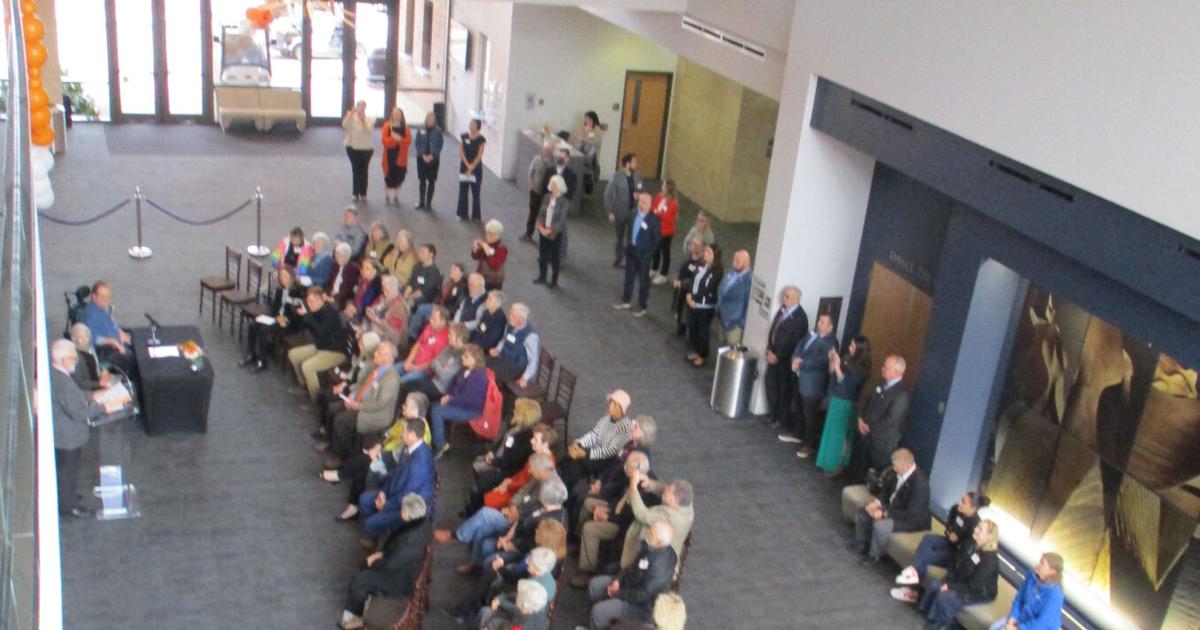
487, 425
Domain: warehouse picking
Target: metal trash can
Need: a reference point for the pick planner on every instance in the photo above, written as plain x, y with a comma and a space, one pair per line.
733, 382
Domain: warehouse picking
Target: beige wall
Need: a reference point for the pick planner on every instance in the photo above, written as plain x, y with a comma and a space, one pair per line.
717, 142
51, 72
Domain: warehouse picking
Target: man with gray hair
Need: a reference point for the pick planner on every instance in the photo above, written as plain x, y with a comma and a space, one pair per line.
350, 232
471, 307
515, 358
539, 166
491, 322
540, 566
369, 407
601, 520
787, 329
882, 421
392, 571
72, 409
676, 509
630, 595
88, 374
902, 505
521, 537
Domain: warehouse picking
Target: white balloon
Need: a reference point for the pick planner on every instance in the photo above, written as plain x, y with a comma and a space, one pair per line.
44, 199
40, 183
42, 159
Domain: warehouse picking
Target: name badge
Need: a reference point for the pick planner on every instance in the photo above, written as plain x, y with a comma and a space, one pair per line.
432, 340
975, 558
526, 499
638, 186
509, 442
643, 564
420, 279
692, 268
374, 254
511, 338
483, 328
958, 519
644, 226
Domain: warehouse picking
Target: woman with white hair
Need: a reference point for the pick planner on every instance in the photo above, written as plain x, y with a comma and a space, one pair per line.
322, 260
393, 571
388, 316
551, 223
531, 609
343, 277
87, 374
491, 254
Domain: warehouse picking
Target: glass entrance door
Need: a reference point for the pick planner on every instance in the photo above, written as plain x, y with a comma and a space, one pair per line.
328, 34
135, 56
184, 81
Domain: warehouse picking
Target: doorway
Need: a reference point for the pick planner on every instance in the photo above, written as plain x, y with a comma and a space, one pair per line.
644, 119
895, 320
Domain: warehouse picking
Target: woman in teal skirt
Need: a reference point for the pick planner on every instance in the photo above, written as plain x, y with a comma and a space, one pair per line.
849, 375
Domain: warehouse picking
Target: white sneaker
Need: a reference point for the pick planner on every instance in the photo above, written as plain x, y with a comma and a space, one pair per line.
908, 577
904, 594
659, 279
350, 621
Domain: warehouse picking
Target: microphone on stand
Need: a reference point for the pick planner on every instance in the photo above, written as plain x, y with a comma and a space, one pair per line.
154, 326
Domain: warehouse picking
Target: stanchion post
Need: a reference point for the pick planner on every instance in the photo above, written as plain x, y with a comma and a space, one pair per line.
139, 251
257, 249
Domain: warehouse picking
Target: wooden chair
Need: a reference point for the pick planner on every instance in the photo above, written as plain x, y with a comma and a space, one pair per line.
216, 284
236, 297
418, 604
559, 407
677, 582
540, 387
261, 306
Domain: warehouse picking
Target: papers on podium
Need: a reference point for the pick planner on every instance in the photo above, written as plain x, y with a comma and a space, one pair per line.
118, 500
163, 351
265, 320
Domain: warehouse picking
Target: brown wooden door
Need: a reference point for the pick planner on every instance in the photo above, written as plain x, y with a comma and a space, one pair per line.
644, 119
896, 317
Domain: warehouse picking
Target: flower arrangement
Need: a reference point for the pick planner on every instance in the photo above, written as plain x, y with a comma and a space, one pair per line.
192, 352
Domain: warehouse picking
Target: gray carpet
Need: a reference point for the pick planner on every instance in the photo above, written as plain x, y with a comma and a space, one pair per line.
237, 530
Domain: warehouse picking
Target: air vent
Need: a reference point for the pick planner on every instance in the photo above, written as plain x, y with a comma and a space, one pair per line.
1014, 173
879, 113
717, 35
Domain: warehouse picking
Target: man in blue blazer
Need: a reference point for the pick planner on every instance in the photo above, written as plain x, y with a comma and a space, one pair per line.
644, 234
415, 473
810, 362
733, 297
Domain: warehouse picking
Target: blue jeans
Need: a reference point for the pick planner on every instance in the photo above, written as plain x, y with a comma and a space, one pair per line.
934, 550
408, 377
419, 319
940, 608
443, 414
376, 523
481, 531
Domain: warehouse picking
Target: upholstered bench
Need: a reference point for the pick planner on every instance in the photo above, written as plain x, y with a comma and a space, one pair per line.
981, 616
280, 105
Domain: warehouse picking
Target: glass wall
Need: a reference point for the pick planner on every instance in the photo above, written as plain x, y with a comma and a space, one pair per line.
184, 83
1096, 455
135, 52
83, 55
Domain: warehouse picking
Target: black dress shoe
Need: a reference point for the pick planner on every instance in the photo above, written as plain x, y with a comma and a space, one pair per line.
856, 547
539, 281
869, 561
553, 284
246, 361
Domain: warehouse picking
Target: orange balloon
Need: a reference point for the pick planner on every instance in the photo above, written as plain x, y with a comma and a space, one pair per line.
35, 84
36, 55
43, 136
29, 7
39, 117
38, 99
35, 73
33, 29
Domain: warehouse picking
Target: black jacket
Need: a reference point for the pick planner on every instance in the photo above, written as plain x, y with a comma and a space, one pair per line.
490, 330
469, 308
963, 527
527, 526
513, 459
87, 371
974, 574
709, 285
327, 329
648, 577
909, 509
282, 301
648, 237
403, 553
426, 283
568, 176
885, 413
784, 334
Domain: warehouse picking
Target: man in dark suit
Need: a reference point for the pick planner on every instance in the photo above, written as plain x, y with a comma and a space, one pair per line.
392, 571
644, 234
72, 409
902, 505
630, 595
380, 509
787, 329
882, 421
810, 362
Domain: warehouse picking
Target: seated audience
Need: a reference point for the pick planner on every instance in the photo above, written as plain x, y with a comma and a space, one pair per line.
515, 357
541, 440
114, 345
88, 374
906, 492
598, 525
1039, 601
676, 509
970, 579
393, 570
669, 614
454, 288
521, 536
426, 348
491, 254
367, 408
378, 242
414, 472
425, 283
293, 250
939, 551
539, 565
375, 463
498, 578
350, 232
366, 290
401, 258
444, 367
261, 337
388, 316
509, 455
322, 261
490, 323
464, 401
611, 483
470, 307
630, 594
529, 611
329, 341
329, 401
589, 454
343, 278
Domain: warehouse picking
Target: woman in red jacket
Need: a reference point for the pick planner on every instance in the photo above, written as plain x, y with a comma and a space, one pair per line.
666, 206
491, 254
396, 138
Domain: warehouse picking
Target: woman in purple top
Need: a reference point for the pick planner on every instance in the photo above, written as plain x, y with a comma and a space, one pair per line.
465, 400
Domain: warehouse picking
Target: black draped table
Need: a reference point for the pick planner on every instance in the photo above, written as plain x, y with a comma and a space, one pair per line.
173, 395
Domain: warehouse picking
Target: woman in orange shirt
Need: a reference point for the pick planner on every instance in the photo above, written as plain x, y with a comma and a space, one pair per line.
666, 206
396, 138
498, 497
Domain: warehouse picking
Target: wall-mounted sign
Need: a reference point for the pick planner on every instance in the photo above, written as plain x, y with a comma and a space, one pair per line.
760, 296
831, 306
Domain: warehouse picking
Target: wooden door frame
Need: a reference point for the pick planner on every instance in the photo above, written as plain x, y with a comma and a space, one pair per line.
662, 140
